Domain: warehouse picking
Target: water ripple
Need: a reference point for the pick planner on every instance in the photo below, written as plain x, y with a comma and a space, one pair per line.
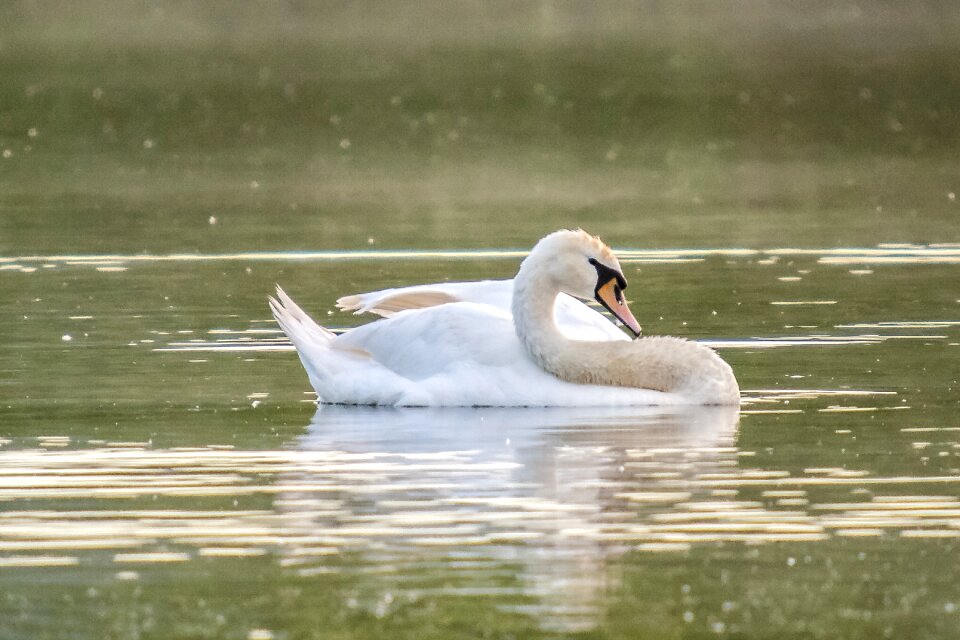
536, 488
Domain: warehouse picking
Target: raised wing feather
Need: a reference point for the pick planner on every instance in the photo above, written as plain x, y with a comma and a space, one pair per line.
575, 319
386, 302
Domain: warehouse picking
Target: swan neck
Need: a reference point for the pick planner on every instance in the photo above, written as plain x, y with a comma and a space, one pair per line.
657, 363
534, 297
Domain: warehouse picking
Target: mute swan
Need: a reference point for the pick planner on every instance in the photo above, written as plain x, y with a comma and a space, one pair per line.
462, 345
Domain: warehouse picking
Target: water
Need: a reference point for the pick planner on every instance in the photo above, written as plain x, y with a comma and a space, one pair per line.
173, 440
164, 472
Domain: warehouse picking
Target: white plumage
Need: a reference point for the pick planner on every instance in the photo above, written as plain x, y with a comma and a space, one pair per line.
494, 343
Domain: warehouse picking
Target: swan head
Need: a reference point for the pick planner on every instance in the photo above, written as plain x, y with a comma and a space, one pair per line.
582, 266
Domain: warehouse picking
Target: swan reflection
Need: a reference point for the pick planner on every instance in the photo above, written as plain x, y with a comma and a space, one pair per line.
544, 494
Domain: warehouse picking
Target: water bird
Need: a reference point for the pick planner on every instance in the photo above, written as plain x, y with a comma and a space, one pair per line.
529, 341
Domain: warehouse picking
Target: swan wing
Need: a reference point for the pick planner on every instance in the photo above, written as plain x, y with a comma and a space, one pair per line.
575, 319
420, 343
386, 302
468, 354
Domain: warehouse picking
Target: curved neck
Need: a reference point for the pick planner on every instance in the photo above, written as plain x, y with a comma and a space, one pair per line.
659, 363
534, 297
534, 319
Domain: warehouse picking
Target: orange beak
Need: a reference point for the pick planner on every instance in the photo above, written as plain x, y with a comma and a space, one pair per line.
610, 296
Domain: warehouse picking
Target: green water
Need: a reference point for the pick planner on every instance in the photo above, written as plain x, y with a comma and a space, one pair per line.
778, 182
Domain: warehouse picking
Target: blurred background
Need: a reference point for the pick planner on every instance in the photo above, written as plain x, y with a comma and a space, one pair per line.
157, 126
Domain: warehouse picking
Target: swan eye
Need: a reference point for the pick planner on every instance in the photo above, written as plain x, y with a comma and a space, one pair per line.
618, 293
605, 274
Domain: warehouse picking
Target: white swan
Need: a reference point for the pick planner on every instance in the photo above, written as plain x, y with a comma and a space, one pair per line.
461, 345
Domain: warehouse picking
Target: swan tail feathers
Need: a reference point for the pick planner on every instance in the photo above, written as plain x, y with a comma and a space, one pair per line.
302, 330
312, 342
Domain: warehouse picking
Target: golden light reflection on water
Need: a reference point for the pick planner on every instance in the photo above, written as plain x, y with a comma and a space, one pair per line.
538, 486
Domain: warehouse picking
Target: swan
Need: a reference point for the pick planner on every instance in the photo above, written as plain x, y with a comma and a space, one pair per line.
464, 344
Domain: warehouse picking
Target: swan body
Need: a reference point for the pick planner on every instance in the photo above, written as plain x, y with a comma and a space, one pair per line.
506, 343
